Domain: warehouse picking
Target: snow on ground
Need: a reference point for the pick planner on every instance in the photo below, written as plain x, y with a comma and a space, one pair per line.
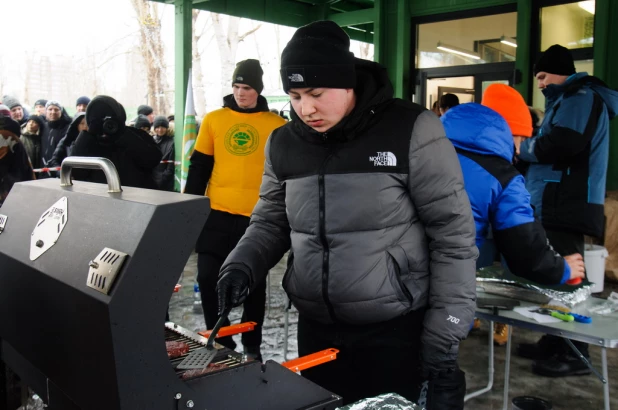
184, 313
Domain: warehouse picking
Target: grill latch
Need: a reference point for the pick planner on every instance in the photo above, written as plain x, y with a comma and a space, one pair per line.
3, 219
48, 228
104, 269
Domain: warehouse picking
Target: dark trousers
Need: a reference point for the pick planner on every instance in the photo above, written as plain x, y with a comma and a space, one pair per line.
219, 237
567, 243
373, 359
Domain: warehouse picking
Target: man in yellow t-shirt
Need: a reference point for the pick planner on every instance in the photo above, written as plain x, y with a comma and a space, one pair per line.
229, 159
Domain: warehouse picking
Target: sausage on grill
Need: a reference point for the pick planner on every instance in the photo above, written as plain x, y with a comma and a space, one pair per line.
212, 367
176, 349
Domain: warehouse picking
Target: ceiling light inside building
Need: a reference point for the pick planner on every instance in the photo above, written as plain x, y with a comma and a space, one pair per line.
508, 41
459, 51
587, 5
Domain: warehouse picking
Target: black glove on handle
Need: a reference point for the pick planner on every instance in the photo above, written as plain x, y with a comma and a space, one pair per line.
232, 289
444, 390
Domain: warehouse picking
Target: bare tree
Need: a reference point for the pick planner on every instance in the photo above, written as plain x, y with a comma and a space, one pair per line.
28, 76
365, 50
228, 46
151, 46
199, 93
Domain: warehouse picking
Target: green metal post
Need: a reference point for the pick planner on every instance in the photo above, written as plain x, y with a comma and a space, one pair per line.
524, 47
402, 51
605, 63
392, 42
183, 53
379, 51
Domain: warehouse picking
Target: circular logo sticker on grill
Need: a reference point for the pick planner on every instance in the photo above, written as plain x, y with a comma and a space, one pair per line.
242, 139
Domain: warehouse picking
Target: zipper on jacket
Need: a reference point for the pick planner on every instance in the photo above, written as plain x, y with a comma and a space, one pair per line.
323, 239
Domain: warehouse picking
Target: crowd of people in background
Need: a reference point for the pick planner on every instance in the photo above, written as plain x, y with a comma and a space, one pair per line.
47, 134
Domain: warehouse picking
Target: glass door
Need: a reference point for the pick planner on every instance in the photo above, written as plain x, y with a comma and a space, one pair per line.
468, 82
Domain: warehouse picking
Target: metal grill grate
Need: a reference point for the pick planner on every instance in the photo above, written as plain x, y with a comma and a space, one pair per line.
175, 333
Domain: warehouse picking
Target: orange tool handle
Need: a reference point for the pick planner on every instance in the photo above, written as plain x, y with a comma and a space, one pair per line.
231, 330
575, 281
311, 360
177, 288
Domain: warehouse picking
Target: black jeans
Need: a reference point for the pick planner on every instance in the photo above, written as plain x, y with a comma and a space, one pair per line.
219, 237
373, 359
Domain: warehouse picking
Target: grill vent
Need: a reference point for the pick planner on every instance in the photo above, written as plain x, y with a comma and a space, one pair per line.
3, 219
104, 269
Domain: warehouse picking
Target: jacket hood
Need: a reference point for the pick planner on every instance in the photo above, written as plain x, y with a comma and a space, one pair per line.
101, 107
578, 80
72, 132
479, 129
230, 102
373, 89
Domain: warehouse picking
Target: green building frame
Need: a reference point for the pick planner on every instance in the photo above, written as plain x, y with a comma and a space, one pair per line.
388, 24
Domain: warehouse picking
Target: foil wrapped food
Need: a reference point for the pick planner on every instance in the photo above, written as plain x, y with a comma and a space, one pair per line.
390, 401
500, 281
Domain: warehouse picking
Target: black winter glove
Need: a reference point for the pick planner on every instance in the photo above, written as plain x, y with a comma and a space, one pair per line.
232, 289
444, 390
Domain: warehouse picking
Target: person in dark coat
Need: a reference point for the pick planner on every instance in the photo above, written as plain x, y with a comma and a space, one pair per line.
143, 123
66, 144
31, 138
55, 129
14, 163
164, 173
133, 152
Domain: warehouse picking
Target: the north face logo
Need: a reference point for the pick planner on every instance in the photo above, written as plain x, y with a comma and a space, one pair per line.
384, 159
296, 78
239, 78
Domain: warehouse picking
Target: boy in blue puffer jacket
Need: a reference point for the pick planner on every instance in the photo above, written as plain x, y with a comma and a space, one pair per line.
485, 144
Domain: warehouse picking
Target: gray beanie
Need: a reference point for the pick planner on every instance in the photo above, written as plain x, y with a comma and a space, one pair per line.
53, 102
11, 102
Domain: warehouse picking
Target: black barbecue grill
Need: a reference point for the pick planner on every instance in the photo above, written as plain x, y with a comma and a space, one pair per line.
86, 274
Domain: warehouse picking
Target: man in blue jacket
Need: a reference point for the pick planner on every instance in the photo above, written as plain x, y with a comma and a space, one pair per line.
567, 176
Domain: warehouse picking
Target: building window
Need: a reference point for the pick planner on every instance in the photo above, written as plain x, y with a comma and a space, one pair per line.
477, 40
570, 25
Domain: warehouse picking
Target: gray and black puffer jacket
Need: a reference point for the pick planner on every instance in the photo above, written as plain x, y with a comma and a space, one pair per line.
376, 215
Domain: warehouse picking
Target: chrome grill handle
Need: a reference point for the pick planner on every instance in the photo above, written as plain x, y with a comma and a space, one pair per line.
104, 164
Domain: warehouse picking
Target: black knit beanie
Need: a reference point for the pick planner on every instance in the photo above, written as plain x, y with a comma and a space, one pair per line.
144, 110
38, 119
160, 121
82, 100
40, 102
555, 60
142, 122
318, 55
10, 125
249, 72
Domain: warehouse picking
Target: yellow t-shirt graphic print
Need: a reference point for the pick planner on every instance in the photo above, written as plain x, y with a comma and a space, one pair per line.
242, 139
237, 141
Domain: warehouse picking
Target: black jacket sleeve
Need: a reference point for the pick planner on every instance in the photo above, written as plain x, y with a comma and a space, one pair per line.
84, 147
528, 253
60, 153
200, 171
522, 240
140, 147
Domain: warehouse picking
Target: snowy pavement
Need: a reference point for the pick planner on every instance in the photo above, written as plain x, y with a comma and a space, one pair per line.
184, 313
